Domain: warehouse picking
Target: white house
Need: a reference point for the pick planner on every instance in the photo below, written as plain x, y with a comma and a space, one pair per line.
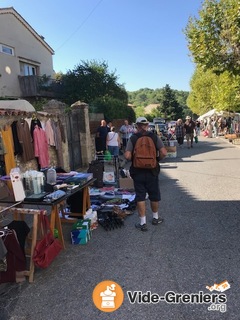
24, 55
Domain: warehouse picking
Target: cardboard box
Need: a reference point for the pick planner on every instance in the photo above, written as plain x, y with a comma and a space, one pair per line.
126, 183
172, 143
79, 236
81, 232
171, 152
171, 149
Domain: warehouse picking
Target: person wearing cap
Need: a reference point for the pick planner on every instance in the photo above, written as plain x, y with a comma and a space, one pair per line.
146, 180
189, 127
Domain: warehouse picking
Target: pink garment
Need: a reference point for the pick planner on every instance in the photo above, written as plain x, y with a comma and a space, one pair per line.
41, 146
49, 133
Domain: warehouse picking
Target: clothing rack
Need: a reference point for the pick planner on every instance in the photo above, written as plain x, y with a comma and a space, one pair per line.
19, 214
4, 211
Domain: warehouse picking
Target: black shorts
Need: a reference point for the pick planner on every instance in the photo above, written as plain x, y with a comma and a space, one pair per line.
146, 182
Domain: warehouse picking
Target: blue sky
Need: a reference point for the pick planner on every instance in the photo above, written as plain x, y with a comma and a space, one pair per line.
141, 40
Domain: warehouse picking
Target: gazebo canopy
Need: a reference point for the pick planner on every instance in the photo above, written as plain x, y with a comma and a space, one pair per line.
209, 114
18, 105
214, 112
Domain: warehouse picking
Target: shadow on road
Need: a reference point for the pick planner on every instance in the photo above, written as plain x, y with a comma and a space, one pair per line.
197, 245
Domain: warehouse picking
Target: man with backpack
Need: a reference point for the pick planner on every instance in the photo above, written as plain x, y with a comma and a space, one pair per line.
145, 149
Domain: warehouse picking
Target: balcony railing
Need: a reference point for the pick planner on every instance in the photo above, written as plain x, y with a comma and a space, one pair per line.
39, 86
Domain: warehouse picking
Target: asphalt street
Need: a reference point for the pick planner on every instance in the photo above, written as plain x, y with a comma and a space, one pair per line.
197, 245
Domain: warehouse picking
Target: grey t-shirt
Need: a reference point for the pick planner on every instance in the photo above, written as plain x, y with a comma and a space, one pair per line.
129, 146
134, 171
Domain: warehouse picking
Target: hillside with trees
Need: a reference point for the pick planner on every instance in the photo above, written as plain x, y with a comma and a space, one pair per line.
170, 104
93, 83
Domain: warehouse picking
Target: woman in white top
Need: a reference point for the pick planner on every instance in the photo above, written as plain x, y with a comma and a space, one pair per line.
113, 142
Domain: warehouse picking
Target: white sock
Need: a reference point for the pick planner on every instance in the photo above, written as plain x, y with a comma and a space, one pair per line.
142, 220
155, 215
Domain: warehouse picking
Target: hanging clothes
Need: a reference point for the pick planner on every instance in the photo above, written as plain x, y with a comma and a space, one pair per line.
22, 230
18, 150
58, 142
2, 147
16, 261
50, 133
25, 139
9, 155
34, 122
3, 256
41, 147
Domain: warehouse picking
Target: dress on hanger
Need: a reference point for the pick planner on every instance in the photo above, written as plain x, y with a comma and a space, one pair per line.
9, 152
25, 140
41, 147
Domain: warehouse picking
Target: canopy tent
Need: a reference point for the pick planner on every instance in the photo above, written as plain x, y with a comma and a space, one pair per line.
209, 114
214, 112
19, 105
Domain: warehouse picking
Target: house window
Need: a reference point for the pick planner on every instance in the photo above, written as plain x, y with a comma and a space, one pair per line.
6, 49
27, 69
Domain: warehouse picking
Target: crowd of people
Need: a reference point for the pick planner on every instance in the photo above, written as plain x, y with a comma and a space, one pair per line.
146, 183
107, 137
145, 179
219, 126
188, 129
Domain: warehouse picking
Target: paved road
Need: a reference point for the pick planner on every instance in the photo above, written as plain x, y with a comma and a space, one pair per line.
197, 245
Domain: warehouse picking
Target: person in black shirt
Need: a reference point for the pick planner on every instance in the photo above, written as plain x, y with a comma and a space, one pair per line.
101, 137
189, 127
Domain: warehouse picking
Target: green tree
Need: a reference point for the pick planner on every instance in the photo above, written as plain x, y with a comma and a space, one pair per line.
139, 111
181, 97
58, 76
225, 93
156, 113
214, 38
112, 108
146, 96
92, 80
200, 97
169, 107
211, 91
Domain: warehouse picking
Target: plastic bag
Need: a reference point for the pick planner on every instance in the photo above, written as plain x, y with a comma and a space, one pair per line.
107, 155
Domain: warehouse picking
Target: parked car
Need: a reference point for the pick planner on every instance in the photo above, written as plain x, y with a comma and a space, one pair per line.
152, 127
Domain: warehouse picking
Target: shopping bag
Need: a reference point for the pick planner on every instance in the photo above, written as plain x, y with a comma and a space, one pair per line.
48, 247
196, 139
107, 155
